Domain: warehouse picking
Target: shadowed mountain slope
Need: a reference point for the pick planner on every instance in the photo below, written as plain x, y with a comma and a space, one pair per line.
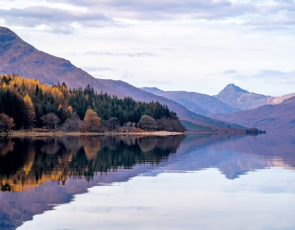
272, 118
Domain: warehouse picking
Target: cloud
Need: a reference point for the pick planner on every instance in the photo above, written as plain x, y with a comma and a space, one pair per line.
127, 75
54, 19
138, 54
156, 10
230, 71
270, 76
97, 69
259, 14
157, 82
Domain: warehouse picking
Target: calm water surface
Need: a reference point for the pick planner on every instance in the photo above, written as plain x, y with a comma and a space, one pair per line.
192, 182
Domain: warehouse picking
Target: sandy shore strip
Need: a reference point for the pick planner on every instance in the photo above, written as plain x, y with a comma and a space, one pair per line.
60, 134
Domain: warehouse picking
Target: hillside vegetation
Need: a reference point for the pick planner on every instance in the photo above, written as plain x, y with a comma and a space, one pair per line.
33, 104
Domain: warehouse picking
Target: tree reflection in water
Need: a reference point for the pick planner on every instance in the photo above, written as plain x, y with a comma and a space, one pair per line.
40, 173
26, 163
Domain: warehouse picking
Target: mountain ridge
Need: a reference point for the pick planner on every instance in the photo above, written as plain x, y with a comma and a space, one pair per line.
242, 99
19, 57
16, 55
272, 118
195, 102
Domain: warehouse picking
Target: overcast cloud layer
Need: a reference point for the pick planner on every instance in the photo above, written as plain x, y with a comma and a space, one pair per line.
195, 45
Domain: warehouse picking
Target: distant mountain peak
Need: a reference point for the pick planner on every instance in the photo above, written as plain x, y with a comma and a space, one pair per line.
242, 99
233, 87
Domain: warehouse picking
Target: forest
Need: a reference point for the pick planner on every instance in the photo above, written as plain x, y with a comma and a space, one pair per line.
27, 104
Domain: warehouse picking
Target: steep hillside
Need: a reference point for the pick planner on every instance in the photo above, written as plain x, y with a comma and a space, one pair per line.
17, 56
195, 102
272, 118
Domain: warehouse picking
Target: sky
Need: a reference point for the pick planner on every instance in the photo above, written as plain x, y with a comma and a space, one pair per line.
191, 45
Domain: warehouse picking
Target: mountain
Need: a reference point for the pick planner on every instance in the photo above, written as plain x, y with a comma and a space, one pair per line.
278, 100
242, 99
272, 118
182, 112
195, 102
18, 57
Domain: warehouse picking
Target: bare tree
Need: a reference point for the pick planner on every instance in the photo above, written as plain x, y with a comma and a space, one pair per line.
6, 123
50, 121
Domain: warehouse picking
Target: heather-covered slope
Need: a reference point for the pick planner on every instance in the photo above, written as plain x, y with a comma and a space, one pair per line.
195, 102
272, 118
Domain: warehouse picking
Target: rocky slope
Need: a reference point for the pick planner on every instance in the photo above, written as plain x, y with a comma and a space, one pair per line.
242, 99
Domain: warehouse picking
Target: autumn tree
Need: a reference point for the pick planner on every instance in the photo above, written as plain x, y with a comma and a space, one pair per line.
91, 121
147, 123
50, 121
6, 123
30, 111
28, 100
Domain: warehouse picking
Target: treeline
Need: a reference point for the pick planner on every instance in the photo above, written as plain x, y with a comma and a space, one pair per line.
32, 104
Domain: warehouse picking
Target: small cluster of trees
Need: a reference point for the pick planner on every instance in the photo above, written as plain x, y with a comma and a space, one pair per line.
33, 104
6, 123
149, 124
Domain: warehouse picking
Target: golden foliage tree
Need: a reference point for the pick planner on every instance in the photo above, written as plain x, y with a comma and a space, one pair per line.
30, 110
91, 121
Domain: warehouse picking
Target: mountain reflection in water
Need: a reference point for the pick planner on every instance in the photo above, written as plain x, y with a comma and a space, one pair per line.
39, 173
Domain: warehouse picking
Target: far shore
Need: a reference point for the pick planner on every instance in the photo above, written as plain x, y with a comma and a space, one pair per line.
60, 133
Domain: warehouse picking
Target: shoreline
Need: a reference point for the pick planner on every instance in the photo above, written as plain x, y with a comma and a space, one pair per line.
31, 133
61, 134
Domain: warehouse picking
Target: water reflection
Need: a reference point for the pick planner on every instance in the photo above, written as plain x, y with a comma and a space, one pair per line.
27, 163
38, 174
